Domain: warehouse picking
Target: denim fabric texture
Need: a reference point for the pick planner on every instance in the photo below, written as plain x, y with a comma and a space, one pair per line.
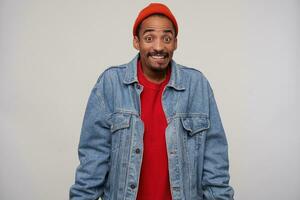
111, 142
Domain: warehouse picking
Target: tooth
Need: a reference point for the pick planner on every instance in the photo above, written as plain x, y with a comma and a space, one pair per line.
156, 57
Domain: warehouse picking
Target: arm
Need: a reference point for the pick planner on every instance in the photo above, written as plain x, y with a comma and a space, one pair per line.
215, 178
93, 151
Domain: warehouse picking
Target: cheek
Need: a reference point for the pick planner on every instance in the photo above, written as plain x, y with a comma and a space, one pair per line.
172, 47
144, 51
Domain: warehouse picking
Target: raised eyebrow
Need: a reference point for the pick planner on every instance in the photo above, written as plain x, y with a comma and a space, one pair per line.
148, 30
165, 31
168, 31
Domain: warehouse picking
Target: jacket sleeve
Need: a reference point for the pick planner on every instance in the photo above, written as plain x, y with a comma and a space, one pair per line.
215, 178
93, 151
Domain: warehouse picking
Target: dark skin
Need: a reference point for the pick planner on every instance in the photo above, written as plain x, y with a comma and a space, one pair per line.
156, 42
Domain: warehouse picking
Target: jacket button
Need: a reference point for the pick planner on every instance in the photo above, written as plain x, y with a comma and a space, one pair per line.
132, 186
137, 151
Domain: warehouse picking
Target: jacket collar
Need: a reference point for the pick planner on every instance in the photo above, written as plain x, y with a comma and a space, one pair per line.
176, 79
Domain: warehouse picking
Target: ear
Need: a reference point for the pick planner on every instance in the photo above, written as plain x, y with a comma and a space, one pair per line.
136, 43
175, 43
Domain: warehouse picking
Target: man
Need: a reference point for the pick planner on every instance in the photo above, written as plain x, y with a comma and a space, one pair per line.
152, 128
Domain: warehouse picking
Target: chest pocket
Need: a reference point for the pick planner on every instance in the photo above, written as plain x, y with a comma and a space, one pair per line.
120, 123
194, 127
195, 124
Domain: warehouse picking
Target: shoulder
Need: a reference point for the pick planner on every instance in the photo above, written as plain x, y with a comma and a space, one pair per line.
191, 73
112, 72
194, 78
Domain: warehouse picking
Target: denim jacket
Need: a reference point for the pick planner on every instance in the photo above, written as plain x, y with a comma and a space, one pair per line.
111, 142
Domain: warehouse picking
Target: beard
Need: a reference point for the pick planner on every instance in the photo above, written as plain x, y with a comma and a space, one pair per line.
157, 65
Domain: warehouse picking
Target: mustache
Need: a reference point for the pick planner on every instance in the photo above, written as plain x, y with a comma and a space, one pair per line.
158, 53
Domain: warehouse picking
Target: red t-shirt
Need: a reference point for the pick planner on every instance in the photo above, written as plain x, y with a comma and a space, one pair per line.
154, 178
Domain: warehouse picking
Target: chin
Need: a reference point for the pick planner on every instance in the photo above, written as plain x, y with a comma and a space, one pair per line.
159, 68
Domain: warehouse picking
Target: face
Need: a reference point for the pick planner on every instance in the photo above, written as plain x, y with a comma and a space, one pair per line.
156, 43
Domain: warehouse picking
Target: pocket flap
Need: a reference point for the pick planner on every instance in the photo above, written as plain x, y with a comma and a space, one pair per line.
195, 124
120, 121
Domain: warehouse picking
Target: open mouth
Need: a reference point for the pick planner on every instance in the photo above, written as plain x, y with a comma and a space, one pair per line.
158, 57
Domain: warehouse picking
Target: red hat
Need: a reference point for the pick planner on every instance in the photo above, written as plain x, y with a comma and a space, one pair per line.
154, 8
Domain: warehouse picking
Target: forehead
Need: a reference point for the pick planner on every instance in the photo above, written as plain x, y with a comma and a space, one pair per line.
157, 22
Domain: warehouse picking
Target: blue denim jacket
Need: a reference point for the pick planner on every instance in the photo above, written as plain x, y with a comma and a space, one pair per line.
111, 143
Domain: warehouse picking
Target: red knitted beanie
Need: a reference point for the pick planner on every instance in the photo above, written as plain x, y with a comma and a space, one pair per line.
154, 8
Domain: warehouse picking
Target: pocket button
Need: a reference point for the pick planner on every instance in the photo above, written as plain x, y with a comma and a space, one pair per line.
137, 151
132, 186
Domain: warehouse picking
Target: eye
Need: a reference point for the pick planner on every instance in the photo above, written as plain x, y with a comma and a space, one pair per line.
167, 39
148, 38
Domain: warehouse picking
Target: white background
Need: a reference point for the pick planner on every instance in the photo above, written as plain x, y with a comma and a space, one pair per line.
52, 52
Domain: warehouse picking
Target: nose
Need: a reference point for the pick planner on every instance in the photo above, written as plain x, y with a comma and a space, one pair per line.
158, 45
